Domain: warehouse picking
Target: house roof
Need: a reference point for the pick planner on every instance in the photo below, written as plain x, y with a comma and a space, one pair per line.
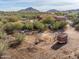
60, 17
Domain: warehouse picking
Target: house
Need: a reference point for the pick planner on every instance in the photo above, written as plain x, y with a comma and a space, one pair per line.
60, 18
39, 17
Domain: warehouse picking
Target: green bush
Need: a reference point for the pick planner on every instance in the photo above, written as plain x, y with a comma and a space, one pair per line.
77, 27
28, 16
4, 21
9, 28
72, 16
0, 18
2, 35
1, 24
28, 26
19, 37
76, 21
59, 13
39, 25
12, 18
3, 47
18, 25
18, 40
48, 20
58, 25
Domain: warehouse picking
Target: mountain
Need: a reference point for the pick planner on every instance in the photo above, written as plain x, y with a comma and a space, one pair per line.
72, 10
53, 10
76, 10
30, 9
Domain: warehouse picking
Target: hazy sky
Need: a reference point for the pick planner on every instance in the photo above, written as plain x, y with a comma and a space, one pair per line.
43, 5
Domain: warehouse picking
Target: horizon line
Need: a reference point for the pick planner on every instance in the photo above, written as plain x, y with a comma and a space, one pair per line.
38, 9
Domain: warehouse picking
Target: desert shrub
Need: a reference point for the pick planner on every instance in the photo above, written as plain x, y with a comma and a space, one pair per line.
39, 25
28, 16
3, 47
9, 28
2, 35
59, 13
0, 18
1, 24
28, 26
23, 16
4, 20
12, 19
77, 27
18, 40
47, 20
19, 37
76, 21
72, 16
58, 25
63, 24
18, 25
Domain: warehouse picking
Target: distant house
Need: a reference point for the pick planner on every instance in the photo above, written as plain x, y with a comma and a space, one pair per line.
39, 17
60, 18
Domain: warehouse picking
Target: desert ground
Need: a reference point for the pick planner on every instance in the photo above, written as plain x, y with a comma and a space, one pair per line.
47, 49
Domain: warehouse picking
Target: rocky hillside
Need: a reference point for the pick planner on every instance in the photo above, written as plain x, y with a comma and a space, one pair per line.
53, 10
30, 9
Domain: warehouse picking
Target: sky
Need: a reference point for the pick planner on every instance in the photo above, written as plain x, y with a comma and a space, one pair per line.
42, 5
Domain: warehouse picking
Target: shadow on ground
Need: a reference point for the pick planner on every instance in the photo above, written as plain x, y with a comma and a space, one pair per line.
57, 45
